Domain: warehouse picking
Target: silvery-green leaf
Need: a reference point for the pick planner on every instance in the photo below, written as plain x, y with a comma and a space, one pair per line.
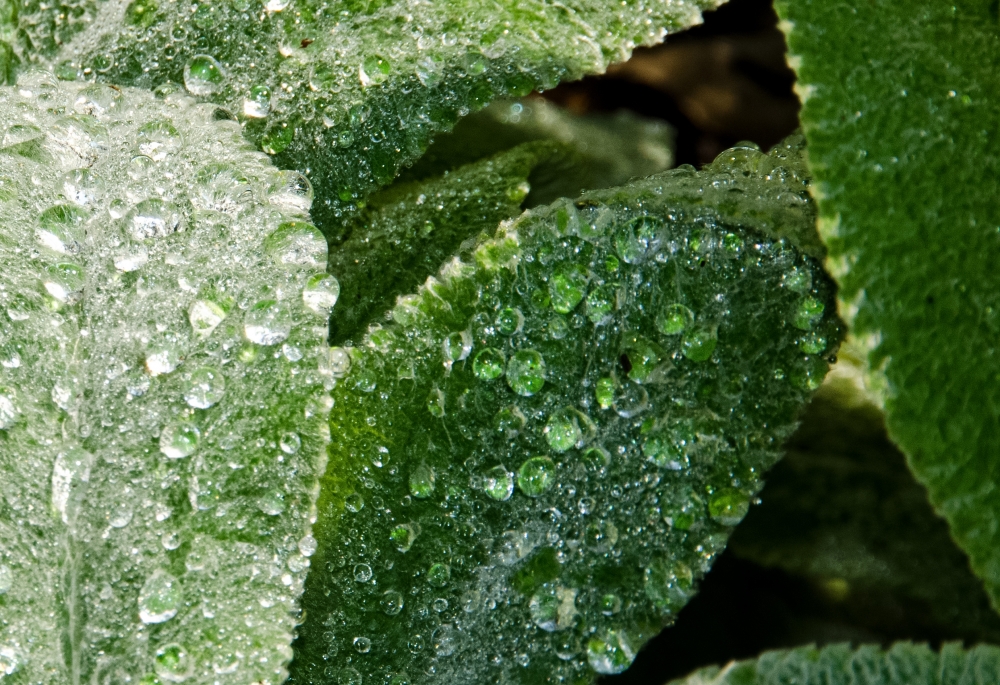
162, 399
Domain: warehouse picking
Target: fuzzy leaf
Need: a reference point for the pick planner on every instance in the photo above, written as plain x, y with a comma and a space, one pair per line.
350, 91
903, 664
607, 150
537, 459
162, 413
895, 99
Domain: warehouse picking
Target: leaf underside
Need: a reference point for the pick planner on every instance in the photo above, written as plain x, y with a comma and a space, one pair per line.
906, 169
903, 664
350, 91
162, 415
534, 462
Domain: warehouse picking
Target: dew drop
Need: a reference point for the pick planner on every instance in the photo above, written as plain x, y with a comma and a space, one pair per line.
60, 229
567, 287
498, 483
488, 364
163, 357
354, 502
152, 218
674, 319
267, 323
362, 645
205, 316
403, 536
510, 321
204, 387
422, 481
120, 515
297, 244
290, 443
308, 546
203, 75
272, 503
179, 440
82, 187
526, 372
291, 192
321, 293
568, 428
173, 663
536, 476
611, 653
158, 139
6, 579
374, 70
362, 573
257, 104
698, 344
159, 598
64, 282
438, 575
728, 506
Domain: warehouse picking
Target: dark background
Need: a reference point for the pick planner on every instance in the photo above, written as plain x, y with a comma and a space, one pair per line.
717, 84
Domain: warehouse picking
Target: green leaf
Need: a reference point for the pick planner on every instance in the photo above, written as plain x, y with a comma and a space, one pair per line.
528, 476
843, 511
351, 91
608, 150
163, 417
902, 664
895, 99
407, 230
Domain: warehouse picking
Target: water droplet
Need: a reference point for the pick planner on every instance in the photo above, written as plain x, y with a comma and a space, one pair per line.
808, 313
798, 279
596, 460
498, 483
601, 303
272, 503
321, 293
374, 70
674, 319
297, 244
536, 476
290, 442
6, 579
158, 139
120, 514
668, 584
267, 323
179, 440
64, 282
152, 218
610, 604
391, 602
438, 575
173, 663
601, 536
611, 653
203, 75
170, 540
226, 663
568, 428
488, 364
509, 421
347, 676
159, 598
435, 403
308, 546
812, 343
362, 645
567, 287
422, 481
636, 239
82, 187
10, 358
205, 316
403, 536
98, 99
728, 506
163, 357
362, 573
510, 321
10, 660
277, 136
526, 372
204, 387
257, 105
60, 229
698, 344
631, 399
456, 347
553, 607
354, 502
291, 192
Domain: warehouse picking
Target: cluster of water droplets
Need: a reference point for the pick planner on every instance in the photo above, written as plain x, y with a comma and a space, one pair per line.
353, 90
163, 390
547, 445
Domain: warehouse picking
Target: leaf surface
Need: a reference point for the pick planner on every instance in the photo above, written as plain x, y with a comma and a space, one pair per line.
541, 453
349, 91
163, 418
896, 96
903, 664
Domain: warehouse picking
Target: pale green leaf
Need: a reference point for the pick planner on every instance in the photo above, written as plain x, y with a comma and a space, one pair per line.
903, 664
535, 460
898, 100
162, 406
349, 91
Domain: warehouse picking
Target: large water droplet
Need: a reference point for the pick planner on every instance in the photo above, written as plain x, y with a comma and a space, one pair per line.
60, 229
526, 372
204, 386
179, 440
64, 282
297, 244
163, 357
510, 321
158, 139
553, 607
391, 602
567, 287
362, 573
153, 218
6, 579
374, 70
674, 319
438, 575
488, 364
321, 293
205, 316
159, 598
257, 104
8, 412
422, 481
536, 476
272, 503
267, 323
291, 191
728, 506
70, 476
173, 663
203, 75
611, 653
82, 187
498, 483
568, 428
403, 536
698, 344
